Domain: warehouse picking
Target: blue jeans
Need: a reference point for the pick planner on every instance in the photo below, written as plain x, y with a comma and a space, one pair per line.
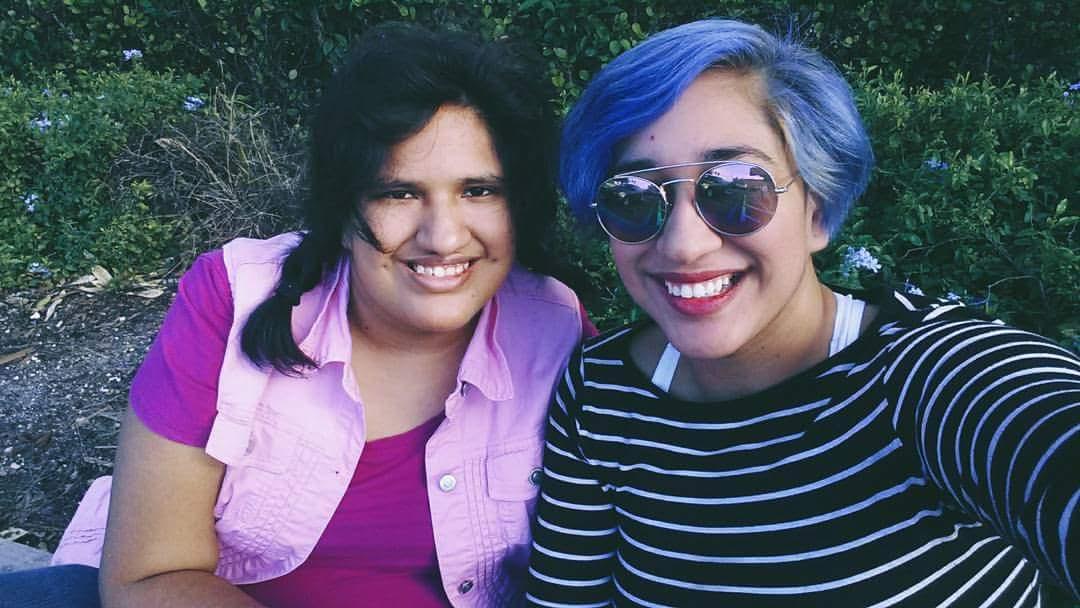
70, 586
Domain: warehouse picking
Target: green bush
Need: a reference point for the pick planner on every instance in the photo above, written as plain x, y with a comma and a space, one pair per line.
975, 196
280, 51
58, 138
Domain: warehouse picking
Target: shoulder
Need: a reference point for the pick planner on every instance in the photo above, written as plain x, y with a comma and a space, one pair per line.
259, 251
939, 335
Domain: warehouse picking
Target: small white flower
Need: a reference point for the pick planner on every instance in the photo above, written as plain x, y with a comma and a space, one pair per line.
41, 123
952, 296
913, 289
39, 269
192, 103
935, 164
130, 54
861, 257
30, 202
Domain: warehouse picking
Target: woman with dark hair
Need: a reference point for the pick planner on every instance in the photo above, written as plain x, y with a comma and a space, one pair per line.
352, 415
763, 439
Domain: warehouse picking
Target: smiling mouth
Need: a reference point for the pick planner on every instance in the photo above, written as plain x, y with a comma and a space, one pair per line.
440, 270
704, 289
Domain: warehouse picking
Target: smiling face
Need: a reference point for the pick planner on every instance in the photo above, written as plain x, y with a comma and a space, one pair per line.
715, 296
440, 215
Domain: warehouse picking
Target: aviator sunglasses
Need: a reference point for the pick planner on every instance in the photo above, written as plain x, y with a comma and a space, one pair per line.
733, 198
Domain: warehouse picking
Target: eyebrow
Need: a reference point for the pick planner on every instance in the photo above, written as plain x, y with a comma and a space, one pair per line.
716, 154
395, 184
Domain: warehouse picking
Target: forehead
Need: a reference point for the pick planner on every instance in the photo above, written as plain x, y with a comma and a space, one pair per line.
721, 113
456, 140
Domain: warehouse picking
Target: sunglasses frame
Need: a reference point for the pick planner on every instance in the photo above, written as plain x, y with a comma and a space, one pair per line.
662, 187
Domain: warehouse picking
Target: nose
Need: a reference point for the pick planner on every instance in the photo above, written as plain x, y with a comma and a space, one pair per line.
443, 228
685, 236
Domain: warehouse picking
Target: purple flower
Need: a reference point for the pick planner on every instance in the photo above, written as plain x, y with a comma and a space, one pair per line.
38, 269
41, 123
192, 103
934, 164
130, 54
912, 288
854, 259
30, 202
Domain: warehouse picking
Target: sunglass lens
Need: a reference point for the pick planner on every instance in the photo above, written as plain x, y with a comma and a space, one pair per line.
736, 198
630, 208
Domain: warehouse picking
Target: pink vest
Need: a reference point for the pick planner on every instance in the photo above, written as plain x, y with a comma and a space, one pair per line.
290, 444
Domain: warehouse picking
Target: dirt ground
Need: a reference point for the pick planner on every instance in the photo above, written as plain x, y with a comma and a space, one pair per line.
63, 391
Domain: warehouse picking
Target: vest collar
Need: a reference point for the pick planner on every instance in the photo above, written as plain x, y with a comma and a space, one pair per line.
484, 365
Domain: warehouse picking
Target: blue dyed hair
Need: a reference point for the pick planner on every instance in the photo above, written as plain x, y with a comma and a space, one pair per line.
806, 98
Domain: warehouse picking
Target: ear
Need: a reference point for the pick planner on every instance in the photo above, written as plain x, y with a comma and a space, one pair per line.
817, 235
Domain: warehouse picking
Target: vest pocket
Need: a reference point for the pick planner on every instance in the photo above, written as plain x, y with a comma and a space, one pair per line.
512, 484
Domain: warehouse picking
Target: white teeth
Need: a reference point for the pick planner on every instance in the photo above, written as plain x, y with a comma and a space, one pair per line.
448, 270
703, 289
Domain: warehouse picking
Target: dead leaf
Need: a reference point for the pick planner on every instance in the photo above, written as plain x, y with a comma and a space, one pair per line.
52, 308
103, 276
15, 356
150, 294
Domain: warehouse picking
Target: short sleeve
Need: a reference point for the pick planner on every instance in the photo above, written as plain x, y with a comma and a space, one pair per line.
174, 392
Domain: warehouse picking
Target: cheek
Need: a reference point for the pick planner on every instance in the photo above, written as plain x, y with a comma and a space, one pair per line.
626, 258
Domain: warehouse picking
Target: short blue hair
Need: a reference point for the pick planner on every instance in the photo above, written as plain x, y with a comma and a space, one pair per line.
806, 99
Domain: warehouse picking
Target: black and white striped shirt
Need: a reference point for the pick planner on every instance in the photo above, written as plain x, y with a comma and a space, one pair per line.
933, 462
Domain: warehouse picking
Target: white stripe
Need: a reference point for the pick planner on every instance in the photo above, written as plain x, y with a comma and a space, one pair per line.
933, 577
834, 584
566, 582
732, 500
1045, 454
786, 525
620, 388
797, 457
986, 415
568, 479
1063, 534
940, 310
706, 426
636, 599
790, 557
1008, 581
571, 556
573, 505
573, 531
743, 447
561, 452
870, 383
1019, 409
971, 581
595, 361
1033, 586
903, 300
532, 598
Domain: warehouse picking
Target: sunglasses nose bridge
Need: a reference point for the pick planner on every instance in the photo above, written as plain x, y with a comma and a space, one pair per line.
668, 196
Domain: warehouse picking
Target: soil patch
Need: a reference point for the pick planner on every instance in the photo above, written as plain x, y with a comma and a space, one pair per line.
63, 391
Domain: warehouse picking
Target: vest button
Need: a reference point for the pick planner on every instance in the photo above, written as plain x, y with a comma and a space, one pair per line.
446, 484
536, 476
465, 586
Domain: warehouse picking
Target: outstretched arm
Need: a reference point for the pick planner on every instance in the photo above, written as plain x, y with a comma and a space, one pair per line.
994, 413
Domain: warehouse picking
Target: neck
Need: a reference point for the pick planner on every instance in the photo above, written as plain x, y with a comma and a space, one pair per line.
388, 341
797, 339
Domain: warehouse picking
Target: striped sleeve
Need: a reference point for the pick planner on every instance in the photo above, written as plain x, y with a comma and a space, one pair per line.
993, 413
574, 533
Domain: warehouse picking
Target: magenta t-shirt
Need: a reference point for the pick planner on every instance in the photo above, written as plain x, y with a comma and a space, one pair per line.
378, 548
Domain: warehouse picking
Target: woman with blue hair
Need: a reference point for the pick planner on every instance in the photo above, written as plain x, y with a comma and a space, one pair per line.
761, 438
